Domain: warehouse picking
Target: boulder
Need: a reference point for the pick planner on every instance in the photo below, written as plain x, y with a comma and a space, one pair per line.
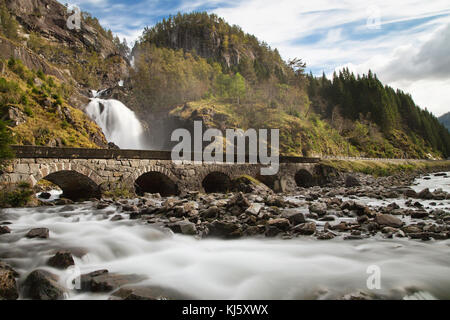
388, 220
183, 227
320, 208
8, 285
61, 260
425, 194
40, 233
45, 195
42, 285
305, 228
137, 293
280, 223
410, 193
351, 181
254, 208
223, 229
411, 229
238, 204
4, 230
325, 236
295, 216
103, 281
211, 212
419, 214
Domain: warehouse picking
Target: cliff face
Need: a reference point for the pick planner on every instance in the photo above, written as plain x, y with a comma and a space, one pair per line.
48, 70
89, 56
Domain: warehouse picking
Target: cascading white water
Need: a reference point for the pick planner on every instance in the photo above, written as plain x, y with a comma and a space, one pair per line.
119, 124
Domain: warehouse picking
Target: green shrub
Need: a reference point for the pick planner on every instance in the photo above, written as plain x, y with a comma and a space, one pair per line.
28, 111
18, 197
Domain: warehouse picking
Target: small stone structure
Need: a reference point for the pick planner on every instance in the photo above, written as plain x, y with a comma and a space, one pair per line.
87, 173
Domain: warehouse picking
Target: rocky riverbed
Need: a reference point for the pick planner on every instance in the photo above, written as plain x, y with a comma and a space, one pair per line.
251, 244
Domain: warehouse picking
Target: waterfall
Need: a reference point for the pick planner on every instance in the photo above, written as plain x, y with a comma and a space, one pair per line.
119, 124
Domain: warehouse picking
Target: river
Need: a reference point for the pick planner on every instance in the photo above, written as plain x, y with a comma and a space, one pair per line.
253, 268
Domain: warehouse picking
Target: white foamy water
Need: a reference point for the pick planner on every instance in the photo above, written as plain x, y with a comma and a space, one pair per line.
119, 124
255, 268
301, 268
440, 182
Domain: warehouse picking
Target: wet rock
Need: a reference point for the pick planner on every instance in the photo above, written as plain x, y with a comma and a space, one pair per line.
45, 195
223, 229
129, 208
102, 205
295, 216
8, 285
341, 227
5, 266
319, 208
351, 181
42, 285
183, 227
411, 229
440, 174
362, 219
63, 201
103, 281
254, 208
272, 231
410, 193
326, 236
211, 212
137, 293
327, 218
238, 204
61, 260
425, 194
419, 214
40, 233
275, 201
305, 228
4, 230
118, 217
425, 236
280, 223
388, 220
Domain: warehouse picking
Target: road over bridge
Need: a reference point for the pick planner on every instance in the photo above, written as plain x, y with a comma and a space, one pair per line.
87, 173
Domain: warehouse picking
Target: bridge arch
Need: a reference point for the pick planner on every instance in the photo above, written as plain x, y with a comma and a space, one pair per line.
155, 182
216, 182
75, 185
153, 179
304, 178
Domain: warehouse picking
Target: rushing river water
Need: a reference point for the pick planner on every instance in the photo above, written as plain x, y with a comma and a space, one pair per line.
256, 268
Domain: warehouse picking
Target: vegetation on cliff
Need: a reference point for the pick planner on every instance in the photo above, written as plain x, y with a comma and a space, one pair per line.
216, 72
34, 106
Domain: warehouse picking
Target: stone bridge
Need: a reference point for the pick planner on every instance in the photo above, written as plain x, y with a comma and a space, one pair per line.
87, 173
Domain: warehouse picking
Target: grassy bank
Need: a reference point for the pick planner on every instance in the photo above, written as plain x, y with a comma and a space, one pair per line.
382, 168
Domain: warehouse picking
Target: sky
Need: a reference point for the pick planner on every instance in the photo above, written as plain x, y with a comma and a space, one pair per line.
405, 42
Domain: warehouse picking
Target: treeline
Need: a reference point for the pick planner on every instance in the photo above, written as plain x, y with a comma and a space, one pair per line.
365, 97
199, 56
212, 38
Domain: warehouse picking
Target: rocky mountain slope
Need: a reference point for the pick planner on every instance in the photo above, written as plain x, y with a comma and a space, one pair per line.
35, 35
